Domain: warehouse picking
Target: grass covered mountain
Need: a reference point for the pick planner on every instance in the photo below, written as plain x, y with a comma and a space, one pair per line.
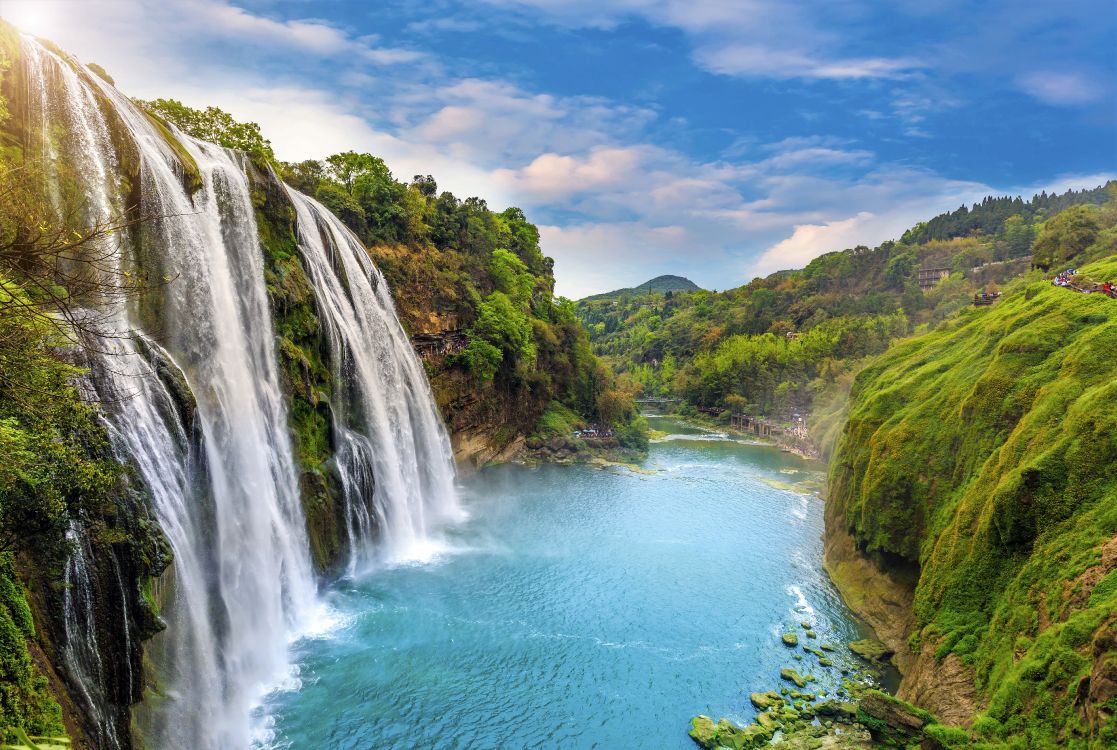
789, 341
978, 473
658, 285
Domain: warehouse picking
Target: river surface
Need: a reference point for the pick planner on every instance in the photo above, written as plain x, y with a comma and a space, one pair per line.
580, 607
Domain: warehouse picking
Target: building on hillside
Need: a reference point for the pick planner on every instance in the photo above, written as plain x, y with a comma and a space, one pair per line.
928, 277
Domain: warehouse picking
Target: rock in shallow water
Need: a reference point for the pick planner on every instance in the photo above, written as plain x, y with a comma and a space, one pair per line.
871, 650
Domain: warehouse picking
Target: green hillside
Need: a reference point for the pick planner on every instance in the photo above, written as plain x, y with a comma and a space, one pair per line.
983, 456
787, 342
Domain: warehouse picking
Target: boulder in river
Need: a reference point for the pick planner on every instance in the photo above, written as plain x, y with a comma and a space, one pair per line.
725, 734
790, 639
792, 675
871, 650
766, 701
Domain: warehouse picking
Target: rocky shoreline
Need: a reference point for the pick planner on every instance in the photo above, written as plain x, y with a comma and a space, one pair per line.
857, 715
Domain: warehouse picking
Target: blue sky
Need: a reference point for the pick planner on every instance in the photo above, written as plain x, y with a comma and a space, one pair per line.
718, 140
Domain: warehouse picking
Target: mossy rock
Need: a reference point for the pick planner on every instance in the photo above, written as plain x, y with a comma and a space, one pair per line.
790, 639
792, 675
766, 701
871, 650
725, 734
839, 710
891, 721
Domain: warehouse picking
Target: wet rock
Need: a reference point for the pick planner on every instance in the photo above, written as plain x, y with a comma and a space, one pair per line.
871, 650
766, 701
891, 721
792, 675
790, 639
725, 734
839, 710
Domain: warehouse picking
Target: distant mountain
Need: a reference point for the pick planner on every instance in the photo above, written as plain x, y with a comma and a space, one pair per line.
658, 285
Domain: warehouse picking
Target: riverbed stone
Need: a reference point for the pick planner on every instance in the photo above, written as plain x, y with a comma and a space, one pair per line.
871, 650
840, 710
766, 701
790, 639
704, 731
792, 675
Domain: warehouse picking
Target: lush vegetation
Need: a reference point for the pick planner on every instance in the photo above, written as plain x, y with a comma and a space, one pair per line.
779, 344
983, 455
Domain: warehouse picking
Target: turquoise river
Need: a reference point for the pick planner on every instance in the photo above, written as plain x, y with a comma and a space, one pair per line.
580, 607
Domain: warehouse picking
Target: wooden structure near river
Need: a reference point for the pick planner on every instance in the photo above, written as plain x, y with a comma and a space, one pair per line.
756, 426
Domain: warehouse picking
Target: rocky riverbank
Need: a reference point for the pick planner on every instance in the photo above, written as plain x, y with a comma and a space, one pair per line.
857, 715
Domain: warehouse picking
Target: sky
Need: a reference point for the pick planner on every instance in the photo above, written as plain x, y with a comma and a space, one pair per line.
714, 139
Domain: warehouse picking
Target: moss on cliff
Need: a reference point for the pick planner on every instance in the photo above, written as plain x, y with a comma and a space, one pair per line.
25, 701
302, 357
984, 454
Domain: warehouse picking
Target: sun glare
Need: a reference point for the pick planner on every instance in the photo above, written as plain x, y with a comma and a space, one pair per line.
32, 16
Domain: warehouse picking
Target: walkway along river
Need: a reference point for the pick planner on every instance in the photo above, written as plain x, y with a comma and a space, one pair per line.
580, 606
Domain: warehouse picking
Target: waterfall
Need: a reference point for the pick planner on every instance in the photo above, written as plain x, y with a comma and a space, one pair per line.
393, 454
219, 471
242, 574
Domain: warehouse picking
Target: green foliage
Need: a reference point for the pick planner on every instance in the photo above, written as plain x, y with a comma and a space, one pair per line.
25, 700
46, 435
213, 125
557, 421
991, 216
1065, 236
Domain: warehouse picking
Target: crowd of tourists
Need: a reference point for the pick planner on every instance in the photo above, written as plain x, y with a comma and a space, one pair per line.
1067, 279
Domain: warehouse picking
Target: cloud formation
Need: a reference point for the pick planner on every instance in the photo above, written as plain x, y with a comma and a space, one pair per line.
625, 184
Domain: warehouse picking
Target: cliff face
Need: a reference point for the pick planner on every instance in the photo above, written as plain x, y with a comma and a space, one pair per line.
972, 519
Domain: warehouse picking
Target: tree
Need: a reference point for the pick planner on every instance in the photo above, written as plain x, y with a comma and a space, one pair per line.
213, 125
1064, 236
1018, 235
347, 166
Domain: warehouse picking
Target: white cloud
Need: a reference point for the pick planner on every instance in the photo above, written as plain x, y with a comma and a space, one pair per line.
750, 38
553, 176
1059, 88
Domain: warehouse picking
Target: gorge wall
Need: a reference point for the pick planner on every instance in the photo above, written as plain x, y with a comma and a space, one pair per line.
971, 515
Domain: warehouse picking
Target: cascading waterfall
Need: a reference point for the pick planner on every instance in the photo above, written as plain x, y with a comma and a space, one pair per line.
81, 653
242, 577
222, 479
392, 446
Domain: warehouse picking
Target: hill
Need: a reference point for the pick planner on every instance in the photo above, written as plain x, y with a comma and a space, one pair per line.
978, 468
778, 345
658, 285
